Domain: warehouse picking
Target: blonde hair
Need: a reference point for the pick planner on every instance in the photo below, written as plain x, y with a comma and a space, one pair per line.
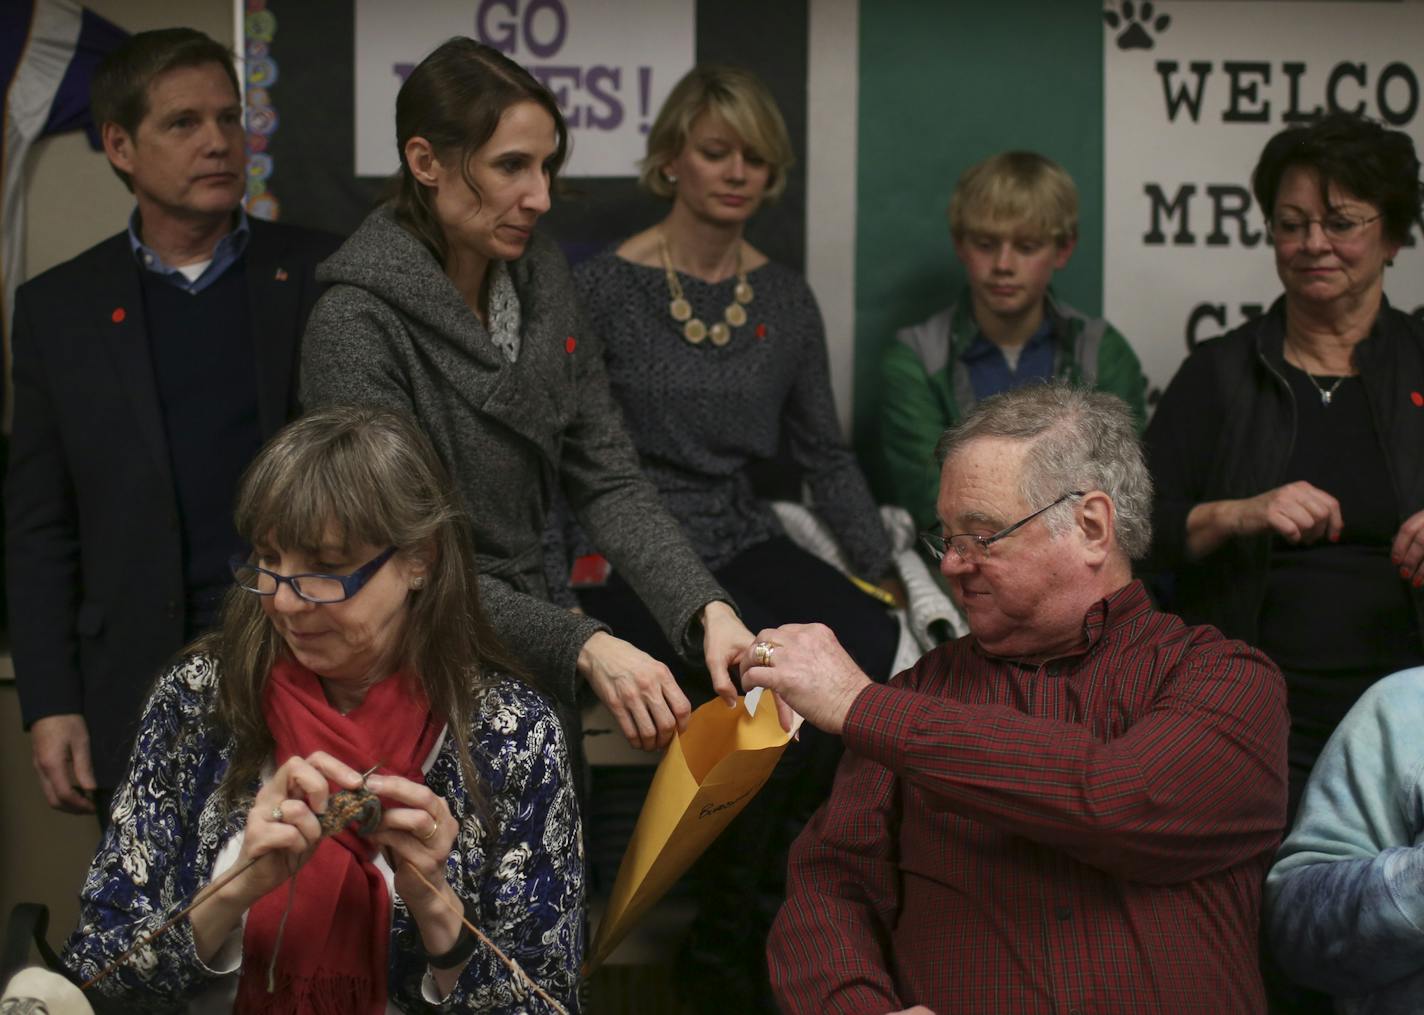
1022, 192
737, 97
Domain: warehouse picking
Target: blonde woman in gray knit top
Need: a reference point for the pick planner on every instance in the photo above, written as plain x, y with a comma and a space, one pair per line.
718, 358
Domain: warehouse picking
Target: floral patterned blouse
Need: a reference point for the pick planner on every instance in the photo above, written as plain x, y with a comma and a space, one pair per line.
526, 879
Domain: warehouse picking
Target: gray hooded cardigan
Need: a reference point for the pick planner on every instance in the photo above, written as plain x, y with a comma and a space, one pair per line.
392, 330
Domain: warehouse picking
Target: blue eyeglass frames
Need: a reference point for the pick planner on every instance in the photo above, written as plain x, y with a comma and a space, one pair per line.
314, 588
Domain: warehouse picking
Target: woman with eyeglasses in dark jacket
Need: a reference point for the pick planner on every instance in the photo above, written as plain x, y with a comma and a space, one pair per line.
1288, 455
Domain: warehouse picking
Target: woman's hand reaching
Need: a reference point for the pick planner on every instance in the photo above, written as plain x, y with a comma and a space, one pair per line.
641, 692
724, 639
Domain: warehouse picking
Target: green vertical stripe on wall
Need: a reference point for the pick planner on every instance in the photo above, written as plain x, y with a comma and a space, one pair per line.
943, 84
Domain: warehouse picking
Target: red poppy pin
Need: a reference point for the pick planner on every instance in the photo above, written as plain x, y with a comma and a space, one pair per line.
118, 315
761, 331
1417, 399
570, 344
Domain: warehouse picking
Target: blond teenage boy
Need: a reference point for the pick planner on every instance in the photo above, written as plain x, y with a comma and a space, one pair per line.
1014, 219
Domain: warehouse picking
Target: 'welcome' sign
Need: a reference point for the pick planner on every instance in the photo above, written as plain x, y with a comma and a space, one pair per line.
1192, 92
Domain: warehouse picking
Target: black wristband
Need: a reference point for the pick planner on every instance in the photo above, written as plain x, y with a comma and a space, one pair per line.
463, 947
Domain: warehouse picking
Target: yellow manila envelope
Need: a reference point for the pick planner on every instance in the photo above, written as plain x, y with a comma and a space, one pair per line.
707, 775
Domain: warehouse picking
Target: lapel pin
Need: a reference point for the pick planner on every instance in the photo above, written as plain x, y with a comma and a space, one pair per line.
281, 275
118, 315
761, 331
1417, 399
570, 344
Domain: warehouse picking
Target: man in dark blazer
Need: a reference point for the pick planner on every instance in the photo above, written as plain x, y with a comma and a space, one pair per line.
147, 372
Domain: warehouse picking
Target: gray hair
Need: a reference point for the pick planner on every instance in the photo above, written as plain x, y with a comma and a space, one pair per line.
1079, 440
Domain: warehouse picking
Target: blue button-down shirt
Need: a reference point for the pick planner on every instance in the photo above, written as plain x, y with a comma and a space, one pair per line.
228, 250
989, 370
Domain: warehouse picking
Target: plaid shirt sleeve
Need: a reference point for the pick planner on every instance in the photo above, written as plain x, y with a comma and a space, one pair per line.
829, 949
1195, 785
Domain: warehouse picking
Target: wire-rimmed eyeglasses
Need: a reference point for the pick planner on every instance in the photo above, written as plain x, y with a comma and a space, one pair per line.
974, 549
1337, 227
314, 588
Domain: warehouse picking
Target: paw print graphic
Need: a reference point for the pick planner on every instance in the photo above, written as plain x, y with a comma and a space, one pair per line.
1135, 25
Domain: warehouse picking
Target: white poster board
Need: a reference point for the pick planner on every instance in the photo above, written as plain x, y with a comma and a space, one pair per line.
1192, 92
609, 63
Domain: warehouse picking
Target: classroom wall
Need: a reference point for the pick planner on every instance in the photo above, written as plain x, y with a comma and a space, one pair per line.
832, 136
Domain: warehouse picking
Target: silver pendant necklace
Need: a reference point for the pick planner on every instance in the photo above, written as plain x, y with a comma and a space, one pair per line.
1325, 393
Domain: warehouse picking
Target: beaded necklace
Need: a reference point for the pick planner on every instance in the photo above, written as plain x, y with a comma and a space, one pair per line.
693, 329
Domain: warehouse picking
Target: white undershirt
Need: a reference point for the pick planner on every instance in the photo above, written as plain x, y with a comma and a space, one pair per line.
218, 996
193, 272
1012, 354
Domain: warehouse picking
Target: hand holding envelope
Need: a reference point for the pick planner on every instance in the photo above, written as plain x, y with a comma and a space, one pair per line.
710, 772
809, 672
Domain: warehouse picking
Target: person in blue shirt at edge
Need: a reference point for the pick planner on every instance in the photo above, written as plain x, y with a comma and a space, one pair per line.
1345, 899
1014, 220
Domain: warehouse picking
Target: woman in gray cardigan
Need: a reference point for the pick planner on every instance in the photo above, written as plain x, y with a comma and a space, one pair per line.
447, 305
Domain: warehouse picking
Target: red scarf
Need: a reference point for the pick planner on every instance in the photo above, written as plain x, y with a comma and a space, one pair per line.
335, 948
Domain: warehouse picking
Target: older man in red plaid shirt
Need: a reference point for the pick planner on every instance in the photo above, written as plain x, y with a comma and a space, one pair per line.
1072, 809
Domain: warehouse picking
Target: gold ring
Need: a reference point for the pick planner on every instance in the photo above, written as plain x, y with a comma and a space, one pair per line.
434, 827
762, 652
276, 813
